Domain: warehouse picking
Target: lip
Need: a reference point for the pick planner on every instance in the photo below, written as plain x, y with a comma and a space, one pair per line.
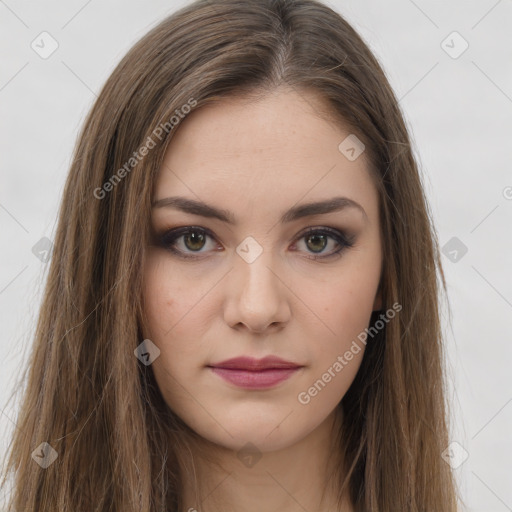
253, 364
251, 373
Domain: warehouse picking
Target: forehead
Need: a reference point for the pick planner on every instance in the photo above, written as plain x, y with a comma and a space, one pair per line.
280, 120
276, 149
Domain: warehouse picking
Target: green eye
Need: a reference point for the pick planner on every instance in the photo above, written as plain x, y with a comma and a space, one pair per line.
194, 241
319, 242
186, 241
317, 239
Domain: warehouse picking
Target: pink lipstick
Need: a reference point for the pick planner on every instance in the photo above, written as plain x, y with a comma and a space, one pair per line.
251, 373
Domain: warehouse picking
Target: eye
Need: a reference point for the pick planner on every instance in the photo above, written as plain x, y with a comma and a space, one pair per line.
317, 239
181, 240
189, 242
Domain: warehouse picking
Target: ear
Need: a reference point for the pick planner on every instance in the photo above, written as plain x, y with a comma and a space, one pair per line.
377, 303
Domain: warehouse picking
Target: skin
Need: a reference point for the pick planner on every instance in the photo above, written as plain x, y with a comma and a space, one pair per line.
257, 159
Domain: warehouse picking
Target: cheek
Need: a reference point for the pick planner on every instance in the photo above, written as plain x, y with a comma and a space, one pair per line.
344, 305
167, 299
337, 352
174, 315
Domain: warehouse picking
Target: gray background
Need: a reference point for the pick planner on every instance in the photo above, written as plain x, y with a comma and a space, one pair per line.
459, 112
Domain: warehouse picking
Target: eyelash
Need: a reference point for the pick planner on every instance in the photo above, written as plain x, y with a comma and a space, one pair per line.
169, 238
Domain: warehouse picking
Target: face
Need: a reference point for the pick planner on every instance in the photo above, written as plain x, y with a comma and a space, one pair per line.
254, 274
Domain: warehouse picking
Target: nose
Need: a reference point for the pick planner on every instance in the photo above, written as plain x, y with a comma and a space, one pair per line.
257, 298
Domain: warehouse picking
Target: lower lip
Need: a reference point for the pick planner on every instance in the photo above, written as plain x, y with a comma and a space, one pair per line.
255, 379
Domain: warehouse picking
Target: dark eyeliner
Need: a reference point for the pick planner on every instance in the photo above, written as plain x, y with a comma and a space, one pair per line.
167, 239
339, 237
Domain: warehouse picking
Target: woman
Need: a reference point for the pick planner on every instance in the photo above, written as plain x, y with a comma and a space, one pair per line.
242, 307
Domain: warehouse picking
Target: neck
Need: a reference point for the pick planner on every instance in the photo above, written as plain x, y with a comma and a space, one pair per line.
299, 477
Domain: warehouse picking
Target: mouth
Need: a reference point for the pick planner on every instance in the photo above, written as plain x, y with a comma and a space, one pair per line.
255, 379
251, 373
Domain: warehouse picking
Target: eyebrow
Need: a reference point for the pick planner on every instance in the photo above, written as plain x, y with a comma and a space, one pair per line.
296, 212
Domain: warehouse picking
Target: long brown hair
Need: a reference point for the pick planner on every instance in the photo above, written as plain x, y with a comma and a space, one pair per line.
118, 445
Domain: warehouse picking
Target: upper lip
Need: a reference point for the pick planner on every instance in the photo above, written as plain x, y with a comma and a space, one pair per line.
251, 363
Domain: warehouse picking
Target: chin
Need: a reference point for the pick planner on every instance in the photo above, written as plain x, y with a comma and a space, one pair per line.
264, 436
